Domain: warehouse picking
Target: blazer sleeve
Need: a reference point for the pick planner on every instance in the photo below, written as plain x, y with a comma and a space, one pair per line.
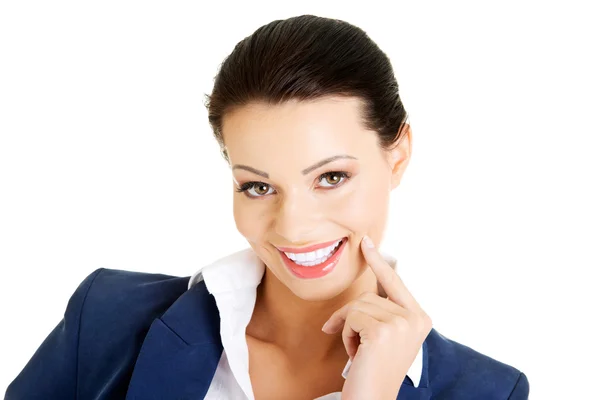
521, 389
51, 373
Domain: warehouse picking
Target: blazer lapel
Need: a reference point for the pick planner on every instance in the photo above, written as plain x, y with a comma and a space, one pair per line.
181, 350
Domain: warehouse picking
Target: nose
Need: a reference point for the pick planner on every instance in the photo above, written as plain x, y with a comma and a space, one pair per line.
296, 220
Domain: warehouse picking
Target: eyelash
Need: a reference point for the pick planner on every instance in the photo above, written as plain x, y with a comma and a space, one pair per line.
249, 185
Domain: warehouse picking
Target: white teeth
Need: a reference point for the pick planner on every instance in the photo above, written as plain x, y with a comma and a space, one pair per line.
314, 257
320, 253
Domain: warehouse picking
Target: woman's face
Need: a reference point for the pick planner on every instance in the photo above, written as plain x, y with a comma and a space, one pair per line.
297, 200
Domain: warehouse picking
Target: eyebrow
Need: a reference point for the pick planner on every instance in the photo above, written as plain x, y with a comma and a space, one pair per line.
304, 171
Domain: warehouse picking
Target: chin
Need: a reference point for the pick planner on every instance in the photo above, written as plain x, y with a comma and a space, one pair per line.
325, 288
319, 293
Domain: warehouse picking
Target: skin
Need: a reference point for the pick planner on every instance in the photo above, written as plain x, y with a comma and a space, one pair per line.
293, 209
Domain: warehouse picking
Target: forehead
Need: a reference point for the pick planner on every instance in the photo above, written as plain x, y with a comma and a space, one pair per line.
324, 123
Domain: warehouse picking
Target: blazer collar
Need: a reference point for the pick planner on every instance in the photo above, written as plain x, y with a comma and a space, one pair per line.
182, 349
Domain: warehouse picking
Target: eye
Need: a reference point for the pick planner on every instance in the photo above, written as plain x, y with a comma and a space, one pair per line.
335, 177
261, 189
248, 186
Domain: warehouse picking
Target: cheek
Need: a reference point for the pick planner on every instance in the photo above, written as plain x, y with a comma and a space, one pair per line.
365, 209
247, 222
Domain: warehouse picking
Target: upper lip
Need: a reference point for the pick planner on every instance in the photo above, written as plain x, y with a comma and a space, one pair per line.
308, 249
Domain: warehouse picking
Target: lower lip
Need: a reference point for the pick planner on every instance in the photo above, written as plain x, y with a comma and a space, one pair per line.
316, 271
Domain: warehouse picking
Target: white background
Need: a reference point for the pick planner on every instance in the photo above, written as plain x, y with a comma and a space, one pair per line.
107, 160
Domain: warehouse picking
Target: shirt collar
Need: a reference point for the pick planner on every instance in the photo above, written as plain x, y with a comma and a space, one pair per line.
233, 280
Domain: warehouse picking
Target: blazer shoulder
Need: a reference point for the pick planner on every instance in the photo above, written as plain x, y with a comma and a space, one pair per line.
117, 313
128, 296
94, 347
458, 371
112, 296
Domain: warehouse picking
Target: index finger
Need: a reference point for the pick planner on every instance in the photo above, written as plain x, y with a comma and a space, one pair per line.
387, 277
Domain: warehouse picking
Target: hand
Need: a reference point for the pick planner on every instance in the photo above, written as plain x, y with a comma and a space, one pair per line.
382, 336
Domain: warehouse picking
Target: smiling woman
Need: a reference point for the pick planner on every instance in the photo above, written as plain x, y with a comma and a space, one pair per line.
325, 178
308, 117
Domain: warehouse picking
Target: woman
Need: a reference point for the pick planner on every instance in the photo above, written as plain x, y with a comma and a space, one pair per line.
308, 117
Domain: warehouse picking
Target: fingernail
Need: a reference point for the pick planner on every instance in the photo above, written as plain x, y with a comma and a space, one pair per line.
325, 326
368, 242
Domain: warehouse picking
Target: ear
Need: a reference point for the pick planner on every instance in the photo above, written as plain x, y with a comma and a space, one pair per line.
399, 156
225, 155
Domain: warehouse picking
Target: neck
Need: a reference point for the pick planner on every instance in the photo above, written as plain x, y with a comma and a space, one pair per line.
293, 324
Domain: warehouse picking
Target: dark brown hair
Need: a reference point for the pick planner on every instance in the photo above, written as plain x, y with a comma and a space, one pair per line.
308, 57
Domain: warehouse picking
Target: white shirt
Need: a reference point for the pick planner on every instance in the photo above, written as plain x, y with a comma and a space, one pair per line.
233, 280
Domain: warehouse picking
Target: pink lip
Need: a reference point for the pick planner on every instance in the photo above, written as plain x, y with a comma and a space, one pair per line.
308, 248
316, 271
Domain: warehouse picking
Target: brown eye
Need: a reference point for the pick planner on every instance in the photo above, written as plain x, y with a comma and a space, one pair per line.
334, 178
261, 189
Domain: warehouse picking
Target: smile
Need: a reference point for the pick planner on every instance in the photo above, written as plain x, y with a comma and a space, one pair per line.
316, 263
315, 257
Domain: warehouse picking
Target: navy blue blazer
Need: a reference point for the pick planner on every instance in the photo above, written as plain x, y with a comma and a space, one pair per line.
141, 336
